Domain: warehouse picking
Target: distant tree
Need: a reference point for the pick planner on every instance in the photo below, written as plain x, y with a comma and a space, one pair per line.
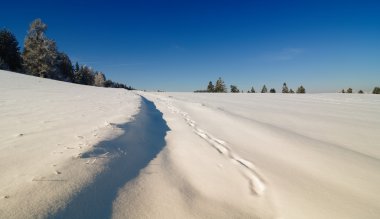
264, 89
343, 91
234, 89
64, 68
360, 92
376, 90
84, 75
108, 83
301, 90
285, 88
272, 90
76, 68
291, 91
99, 79
349, 90
9, 52
210, 87
252, 90
40, 53
220, 87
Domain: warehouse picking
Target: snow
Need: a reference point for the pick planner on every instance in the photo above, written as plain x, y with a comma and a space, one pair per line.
73, 151
275, 155
45, 126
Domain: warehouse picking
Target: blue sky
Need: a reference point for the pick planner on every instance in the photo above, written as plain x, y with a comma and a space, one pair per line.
181, 45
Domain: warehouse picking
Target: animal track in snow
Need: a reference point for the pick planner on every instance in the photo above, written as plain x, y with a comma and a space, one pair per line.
249, 171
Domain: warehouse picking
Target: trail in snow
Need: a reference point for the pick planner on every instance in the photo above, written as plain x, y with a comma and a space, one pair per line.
247, 168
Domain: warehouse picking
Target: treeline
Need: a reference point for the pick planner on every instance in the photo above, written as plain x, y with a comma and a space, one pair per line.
220, 87
376, 90
42, 58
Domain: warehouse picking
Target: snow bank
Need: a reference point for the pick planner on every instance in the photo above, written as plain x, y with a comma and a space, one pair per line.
267, 156
45, 127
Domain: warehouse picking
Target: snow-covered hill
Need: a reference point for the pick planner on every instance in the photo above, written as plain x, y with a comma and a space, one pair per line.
45, 127
275, 155
73, 151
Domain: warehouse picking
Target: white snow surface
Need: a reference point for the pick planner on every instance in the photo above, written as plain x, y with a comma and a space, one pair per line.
73, 151
45, 126
275, 155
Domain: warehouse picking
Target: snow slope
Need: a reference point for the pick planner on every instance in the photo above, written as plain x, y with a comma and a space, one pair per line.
72, 151
45, 127
274, 155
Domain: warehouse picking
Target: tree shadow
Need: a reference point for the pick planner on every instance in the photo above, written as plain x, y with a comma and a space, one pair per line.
143, 139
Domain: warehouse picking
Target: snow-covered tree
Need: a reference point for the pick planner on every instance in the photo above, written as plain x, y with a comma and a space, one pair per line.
99, 79
9, 52
360, 92
84, 75
349, 90
301, 90
40, 53
272, 90
291, 91
220, 87
264, 89
285, 88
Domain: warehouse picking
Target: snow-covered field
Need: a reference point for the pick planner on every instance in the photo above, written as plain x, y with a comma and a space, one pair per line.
71, 151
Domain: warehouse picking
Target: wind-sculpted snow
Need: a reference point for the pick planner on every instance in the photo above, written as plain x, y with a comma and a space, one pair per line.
47, 128
142, 140
249, 170
310, 156
72, 151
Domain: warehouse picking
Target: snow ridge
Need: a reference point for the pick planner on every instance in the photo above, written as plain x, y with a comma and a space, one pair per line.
248, 169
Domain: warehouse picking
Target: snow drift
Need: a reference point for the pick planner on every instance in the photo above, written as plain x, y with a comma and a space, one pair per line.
73, 151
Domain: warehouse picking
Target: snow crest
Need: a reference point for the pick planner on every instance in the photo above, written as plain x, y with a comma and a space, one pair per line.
248, 169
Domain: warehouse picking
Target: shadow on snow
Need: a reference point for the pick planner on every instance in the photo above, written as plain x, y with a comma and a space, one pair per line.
143, 139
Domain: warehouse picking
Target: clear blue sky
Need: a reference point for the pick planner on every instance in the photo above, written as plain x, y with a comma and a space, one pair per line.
181, 45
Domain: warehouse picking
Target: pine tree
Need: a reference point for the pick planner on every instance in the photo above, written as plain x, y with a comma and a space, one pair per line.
99, 79
84, 76
360, 92
9, 52
349, 90
285, 88
40, 53
220, 87
301, 90
234, 89
291, 91
252, 90
76, 69
272, 90
64, 68
343, 91
210, 87
376, 90
264, 89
